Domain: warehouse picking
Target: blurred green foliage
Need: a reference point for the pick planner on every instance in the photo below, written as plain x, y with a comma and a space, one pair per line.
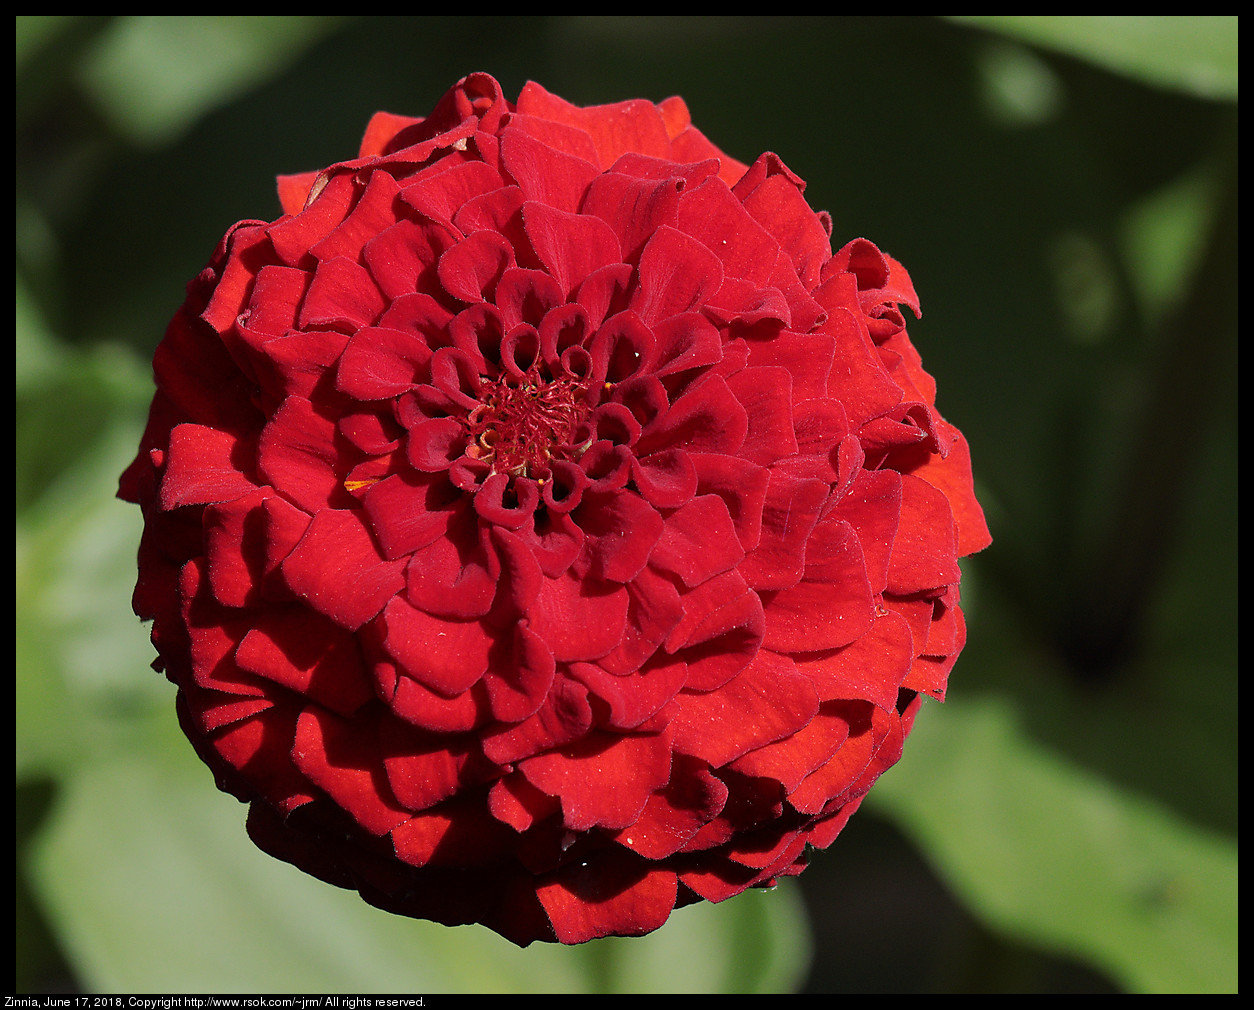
1063, 192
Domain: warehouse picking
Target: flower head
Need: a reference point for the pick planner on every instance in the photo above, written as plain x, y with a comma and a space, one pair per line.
543, 526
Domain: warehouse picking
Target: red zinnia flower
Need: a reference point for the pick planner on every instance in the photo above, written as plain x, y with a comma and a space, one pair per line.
544, 527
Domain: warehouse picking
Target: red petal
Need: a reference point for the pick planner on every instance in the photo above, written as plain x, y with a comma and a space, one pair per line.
707, 418
632, 698
812, 616
517, 688
544, 174
712, 214
424, 769
305, 652
462, 834
297, 454
766, 395
676, 274
446, 656
666, 479
578, 619
857, 378
767, 702
951, 474
342, 758
776, 203
621, 530
698, 541
926, 549
337, 569
372, 213
872, 506
613, 129
341, 296
603, 780
790, 510
872, 668
202, 466
721, 631
260, 749
402, 259
614, 894
634, 208
405, 516
380, 363
422, 707
454, 576
671, 817
791, 759
471, 269
654, 612
235, 549
565, 716
571, 246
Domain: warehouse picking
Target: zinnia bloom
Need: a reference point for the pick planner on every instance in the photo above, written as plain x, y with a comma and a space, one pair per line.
544, 527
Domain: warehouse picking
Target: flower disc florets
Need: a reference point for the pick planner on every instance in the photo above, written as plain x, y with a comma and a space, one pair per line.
544, 527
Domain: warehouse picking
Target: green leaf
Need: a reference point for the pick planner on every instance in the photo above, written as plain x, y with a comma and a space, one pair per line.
156, 74
1050, 853
1196, 54
81, 656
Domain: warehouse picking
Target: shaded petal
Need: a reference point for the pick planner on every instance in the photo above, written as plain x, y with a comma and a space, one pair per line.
342, 295
406, 516
672, 816
544, 174
425, 769
766, 395
811, 616
791, 759
706, 418
454, 576
789, 512
307, 654
617, 893
627, 701
698, 541
342, 758
298, 455
872, 668
621, 532
720, 633
564, 716
519, 682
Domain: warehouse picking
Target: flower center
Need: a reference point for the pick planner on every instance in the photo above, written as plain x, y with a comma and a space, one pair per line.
522, 422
